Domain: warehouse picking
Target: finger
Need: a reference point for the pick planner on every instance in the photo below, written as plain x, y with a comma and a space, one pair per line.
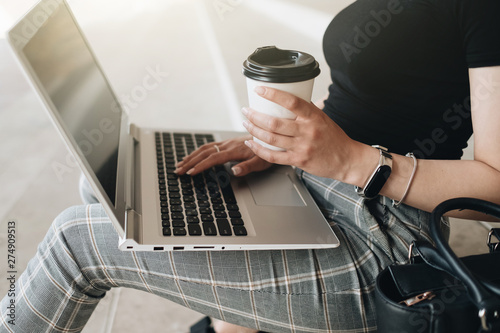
272, 156
197, 166
272, 124
204, 150
195, 157
289, 101
252, 165
271, 138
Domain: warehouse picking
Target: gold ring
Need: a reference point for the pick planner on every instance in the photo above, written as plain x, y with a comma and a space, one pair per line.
217, 148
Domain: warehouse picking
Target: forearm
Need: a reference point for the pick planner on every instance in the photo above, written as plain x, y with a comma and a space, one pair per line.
434, 182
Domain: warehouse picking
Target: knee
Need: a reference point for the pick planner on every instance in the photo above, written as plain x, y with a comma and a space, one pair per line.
70, 236
67, 250
68, 218
69, 228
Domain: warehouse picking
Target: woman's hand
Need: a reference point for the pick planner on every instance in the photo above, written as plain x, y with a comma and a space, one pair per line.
208, 156
313, 142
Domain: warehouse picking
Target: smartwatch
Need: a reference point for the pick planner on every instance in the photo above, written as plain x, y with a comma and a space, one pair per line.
379, 176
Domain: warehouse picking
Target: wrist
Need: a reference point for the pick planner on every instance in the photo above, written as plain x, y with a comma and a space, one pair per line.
363, 159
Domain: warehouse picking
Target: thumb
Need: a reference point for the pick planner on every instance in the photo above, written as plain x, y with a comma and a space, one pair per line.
252, 165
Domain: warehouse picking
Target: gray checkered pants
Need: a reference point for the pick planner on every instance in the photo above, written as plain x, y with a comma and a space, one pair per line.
328, 290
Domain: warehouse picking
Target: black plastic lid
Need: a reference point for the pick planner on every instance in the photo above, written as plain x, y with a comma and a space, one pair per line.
271, 64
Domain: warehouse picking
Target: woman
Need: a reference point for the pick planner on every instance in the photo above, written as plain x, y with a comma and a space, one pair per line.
414, 76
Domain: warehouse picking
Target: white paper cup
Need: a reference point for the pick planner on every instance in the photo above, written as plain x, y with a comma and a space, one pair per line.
300, 89
287, 70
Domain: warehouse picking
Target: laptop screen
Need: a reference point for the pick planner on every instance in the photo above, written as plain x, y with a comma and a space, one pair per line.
76, 86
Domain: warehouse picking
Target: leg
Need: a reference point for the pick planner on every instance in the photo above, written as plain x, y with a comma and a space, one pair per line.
276, 291
78, 261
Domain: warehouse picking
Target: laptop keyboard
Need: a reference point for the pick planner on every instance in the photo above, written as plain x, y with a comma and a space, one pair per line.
202, 205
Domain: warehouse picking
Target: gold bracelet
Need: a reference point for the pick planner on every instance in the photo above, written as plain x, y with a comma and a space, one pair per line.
396, 204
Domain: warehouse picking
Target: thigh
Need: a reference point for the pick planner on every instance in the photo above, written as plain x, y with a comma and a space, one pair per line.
324, 290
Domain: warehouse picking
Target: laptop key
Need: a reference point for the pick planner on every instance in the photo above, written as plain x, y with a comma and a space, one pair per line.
172, 176
167, 232
189, 205
207, 218
224, 227
205, 211
180, 232
191, 212
174, 195
194, 230
220, 214
233, 207
202, 196
193, 219
217, 201
188, 192
178, 223
236, 222
176, 202
234, 214
219, 207
177, 216
203, 203
209, 229
176, 209
240, 231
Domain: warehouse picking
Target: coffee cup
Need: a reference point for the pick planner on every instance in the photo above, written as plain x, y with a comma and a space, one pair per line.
287, 70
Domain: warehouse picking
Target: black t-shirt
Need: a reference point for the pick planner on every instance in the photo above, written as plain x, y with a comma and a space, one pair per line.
400, 71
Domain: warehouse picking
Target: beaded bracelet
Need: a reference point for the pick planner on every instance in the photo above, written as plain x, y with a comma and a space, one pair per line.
396, 204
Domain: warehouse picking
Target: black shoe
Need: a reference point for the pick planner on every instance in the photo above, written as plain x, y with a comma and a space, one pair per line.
203, 326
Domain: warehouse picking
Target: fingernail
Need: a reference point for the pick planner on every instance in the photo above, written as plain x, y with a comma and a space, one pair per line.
244, 111
176, 171
260, 90
245, 124
236, 170
248, 144
190, 172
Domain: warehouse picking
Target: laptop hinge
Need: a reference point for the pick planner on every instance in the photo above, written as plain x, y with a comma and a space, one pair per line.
133, 226
134, 132
132, 184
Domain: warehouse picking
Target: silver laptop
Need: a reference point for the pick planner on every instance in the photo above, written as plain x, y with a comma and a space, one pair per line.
131, 168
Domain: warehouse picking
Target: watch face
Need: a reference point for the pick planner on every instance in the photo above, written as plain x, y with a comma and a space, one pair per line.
377, 181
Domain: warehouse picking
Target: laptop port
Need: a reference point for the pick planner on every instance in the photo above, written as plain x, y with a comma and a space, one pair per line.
178, 248
158, 248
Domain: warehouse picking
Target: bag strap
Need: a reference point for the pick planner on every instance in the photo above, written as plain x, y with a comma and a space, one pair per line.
487, 302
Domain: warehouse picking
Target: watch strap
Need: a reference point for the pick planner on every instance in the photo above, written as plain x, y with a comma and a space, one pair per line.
379, 176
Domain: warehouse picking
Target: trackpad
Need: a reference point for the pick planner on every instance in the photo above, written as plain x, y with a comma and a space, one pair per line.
274, 189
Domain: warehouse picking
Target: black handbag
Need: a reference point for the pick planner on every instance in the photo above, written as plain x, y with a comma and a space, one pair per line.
437, 292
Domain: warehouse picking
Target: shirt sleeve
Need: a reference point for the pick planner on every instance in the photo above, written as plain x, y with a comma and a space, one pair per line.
479, 22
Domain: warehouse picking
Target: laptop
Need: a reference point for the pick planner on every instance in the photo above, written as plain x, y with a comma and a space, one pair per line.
131, 168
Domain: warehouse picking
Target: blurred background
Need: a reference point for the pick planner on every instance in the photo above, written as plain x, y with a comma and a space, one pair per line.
198, 46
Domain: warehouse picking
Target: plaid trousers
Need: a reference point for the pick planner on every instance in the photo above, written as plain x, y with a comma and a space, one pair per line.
327, 290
